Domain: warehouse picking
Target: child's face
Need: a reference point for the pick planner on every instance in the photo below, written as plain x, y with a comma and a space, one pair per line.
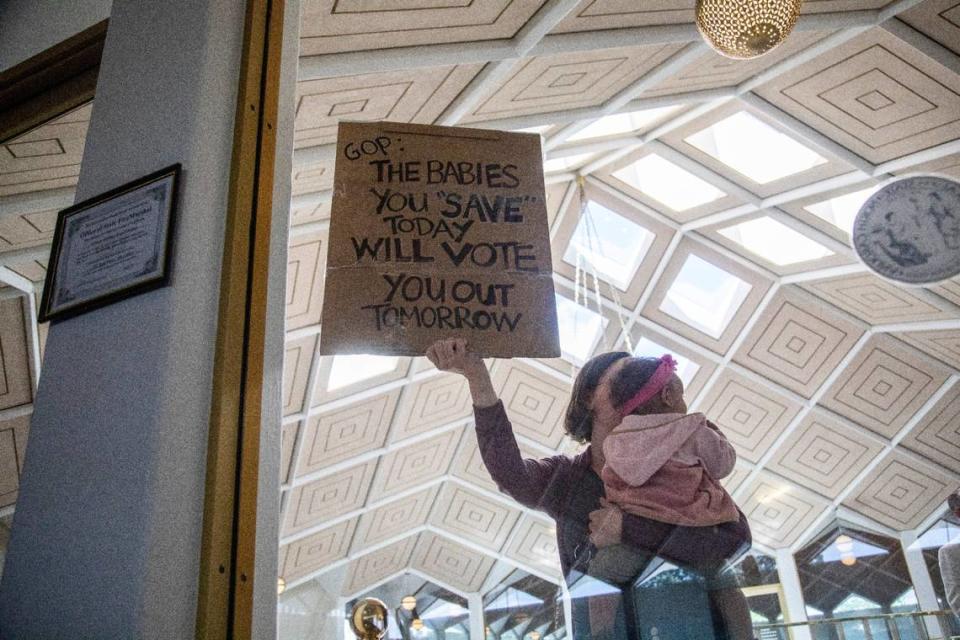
672, 395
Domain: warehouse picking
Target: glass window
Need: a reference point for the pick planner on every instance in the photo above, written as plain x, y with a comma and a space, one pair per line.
841, 211
750, 146
524, 607
704, 296
347, 370
612, 244
775, 242
580, 330
620, 123
667, 183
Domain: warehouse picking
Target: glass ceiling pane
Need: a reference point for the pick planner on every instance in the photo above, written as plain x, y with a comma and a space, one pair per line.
565, 163
347, 370
620, 123
775, 241
750, 146
612, 244
704, 296
667, 183
686, 368
842, 210
580, 330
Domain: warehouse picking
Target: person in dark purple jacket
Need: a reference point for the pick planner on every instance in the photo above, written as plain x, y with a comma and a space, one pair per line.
569, 489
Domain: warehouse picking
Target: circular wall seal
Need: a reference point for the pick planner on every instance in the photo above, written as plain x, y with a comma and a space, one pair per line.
909, 231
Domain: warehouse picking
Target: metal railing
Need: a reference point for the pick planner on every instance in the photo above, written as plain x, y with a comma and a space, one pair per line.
888, 626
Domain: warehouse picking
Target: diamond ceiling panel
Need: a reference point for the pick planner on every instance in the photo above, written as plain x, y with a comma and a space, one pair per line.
713, 70
877, 301
411, 95
825, 454
534, 402
312, 504
311, 553
452, 563
750, 416
305, 264
797, 342
937, 435
885, 385
938, 20
902, 491
568, 80
534, 544
432, 403
779, 511
296, 371
28, 230
876, 95
329, 26
47, 157
13, 444
943, 345
415, 464
378, 565
335, 436
394, 518
15, 385
615, 14
468, 515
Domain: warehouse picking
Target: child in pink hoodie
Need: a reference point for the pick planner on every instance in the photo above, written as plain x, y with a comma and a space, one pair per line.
663, 463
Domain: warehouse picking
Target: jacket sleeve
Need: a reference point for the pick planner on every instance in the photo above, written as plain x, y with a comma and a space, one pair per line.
525, 480
715, 451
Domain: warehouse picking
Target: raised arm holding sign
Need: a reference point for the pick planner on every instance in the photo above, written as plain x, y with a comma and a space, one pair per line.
438, 232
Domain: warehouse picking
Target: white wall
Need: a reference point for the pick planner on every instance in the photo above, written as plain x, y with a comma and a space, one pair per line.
28, 27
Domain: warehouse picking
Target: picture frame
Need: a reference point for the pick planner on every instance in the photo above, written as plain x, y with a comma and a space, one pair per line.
112, 246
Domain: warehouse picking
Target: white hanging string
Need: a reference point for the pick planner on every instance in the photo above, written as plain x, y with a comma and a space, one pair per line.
594, 245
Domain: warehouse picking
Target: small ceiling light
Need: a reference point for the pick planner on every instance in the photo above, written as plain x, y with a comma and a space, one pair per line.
416, 624
844, 544
409, 603
534, 635
745, 29
281, 585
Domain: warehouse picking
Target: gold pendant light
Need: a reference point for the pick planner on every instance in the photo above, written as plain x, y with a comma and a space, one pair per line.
745, 29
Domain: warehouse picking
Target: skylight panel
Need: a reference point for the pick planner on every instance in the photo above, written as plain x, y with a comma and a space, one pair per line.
842, 210
667, 183
541, 129
704, 296
774, 241
750, 146
565, 163
347, 370
686, 368
621, 123
612, 244
580, 330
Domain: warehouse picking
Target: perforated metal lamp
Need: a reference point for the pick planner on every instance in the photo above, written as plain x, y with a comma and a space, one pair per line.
744, 29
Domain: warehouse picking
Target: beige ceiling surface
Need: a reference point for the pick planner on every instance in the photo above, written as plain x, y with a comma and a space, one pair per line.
839, 390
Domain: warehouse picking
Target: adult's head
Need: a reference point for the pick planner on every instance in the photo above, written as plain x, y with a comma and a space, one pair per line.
954, 503
605, 384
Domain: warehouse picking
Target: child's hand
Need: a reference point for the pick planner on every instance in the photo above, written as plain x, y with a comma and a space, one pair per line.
606, 525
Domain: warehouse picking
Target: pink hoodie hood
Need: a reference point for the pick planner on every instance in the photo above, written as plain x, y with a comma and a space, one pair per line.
640, 445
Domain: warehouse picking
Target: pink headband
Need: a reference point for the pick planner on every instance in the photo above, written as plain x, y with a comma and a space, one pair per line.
653, 386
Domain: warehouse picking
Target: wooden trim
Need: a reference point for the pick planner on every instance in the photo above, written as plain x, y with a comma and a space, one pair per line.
226, 588
51, 83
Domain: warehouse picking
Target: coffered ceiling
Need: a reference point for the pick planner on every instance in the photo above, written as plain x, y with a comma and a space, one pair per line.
840, 390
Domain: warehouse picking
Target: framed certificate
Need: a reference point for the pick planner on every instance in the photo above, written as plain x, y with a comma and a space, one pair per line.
111, 247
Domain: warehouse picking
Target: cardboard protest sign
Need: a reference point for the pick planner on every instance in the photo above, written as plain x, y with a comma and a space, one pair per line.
438, 232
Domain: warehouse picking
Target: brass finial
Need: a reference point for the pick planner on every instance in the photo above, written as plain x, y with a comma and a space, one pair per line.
369, 619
